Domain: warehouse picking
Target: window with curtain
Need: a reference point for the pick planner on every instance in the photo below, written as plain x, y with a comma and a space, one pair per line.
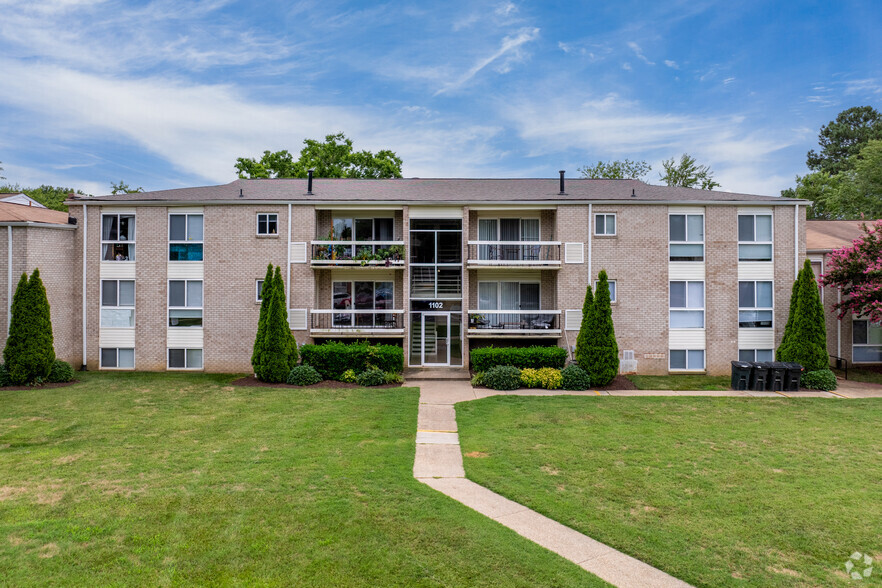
117, 237
185, 303
118, 303
755, 305
687, 305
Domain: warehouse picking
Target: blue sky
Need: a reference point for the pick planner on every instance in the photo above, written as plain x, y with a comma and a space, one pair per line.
169, 93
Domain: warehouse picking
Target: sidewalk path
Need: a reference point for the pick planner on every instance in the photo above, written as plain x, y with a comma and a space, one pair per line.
438, 464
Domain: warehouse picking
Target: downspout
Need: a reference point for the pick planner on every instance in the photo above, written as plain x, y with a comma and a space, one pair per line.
85, 250
8, 278
839, 327
590, 231
288, 247
796, 241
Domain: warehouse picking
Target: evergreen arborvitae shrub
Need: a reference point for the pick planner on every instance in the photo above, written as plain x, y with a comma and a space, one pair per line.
4, 376
29, 351
61, 372
603, 351
582, 339
293, 354
273, 365
807, 344
257, 353
788, 327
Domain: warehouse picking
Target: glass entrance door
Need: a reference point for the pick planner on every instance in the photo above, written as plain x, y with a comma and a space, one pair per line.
436, 338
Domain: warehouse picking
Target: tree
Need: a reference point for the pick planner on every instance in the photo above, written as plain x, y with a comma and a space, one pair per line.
688, 174
49, 196
603, 351
616, 170
275, 351
843, 138
857, 271
806, 343
124, 188
291, 353
265, 295
29, 351
854, 193
788, 328
1, 169
583, 338
333, 158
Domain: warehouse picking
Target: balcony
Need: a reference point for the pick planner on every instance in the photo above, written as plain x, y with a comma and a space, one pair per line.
514, 254
356, 323
367, 254
514, 323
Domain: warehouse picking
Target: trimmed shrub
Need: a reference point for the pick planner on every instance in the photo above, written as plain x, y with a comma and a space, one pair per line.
29, 351
4, 376
394, 378
61, 372
548, 378
819, 380
478, 379
503, 377
601, 358
575, 378
332, 359
265, 296
348, 376
536, 356
371, 377
303, 375
806, 344
583, 338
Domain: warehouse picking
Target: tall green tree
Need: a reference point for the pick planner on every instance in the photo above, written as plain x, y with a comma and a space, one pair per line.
292, 353
265, 295
603, 350
332, 158
843, 138
794, 304
29, 351
616, 170
686, 173
49, 196
583, 338
807, 341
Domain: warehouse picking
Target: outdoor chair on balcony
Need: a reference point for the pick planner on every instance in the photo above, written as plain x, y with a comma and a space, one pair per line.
542, 321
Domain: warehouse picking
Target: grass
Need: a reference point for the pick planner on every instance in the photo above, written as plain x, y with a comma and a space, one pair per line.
681, 382
182, 479
716, 491
861, 375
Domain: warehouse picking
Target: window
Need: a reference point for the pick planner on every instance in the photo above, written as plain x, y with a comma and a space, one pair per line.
612, 290
686, 237
605, 224
185, 359
117, 358
267, 224
436, 259
687, 359
362, 230
185, 237
756, 355
117, 237
185, 303
754, 237
687, 305
508, 229
755, 305
117, 303
866, 338
259, 288
368, 296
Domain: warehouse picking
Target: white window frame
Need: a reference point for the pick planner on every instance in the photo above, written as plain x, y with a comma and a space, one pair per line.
687, 368
754, 352
606, 224
687, 241
118, 305
130, 243
186, 359
200, 308
116, 350
687, 308
755, 308
853, 344
770, 243
267, 221
258, 286
352, 289
614, 292
499, 294
498, 220
187, 240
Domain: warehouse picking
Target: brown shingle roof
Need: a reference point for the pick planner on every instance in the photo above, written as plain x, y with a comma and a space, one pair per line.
830, 235
417, 190
18, 213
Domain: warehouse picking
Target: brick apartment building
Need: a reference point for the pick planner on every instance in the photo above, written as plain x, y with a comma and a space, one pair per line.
170, 279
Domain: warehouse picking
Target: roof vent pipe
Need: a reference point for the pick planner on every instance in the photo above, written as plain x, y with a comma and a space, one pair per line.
241, 195
562, 172
633, 195
309, 181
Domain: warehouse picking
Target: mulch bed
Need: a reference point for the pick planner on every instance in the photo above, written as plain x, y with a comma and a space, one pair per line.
41, 386
251, 381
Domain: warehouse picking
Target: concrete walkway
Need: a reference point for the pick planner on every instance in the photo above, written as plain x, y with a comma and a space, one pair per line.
438, 464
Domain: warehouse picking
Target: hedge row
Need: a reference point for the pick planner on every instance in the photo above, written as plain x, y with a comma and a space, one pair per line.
520, 357
506, 377
333, 358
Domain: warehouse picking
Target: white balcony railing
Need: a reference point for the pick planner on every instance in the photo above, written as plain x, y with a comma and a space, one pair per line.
358, 253
332, 319
514, 253
513, 321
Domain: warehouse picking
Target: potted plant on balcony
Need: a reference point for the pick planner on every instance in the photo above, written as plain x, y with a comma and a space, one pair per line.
364, 255
397, 252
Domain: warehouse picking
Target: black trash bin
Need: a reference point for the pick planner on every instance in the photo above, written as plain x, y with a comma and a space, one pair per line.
741, 375
792, 377
759, 376
777, 373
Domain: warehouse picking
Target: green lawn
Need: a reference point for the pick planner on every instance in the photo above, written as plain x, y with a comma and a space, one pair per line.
861, 375
180, 479
716, 491
681, 382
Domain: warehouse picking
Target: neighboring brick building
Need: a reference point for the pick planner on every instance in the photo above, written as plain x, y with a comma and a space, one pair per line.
854, 339
439, 266
36, 237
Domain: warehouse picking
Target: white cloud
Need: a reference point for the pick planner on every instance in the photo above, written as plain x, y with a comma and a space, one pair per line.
671, 64
506, 9
626, 66
728, 81
639, 53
